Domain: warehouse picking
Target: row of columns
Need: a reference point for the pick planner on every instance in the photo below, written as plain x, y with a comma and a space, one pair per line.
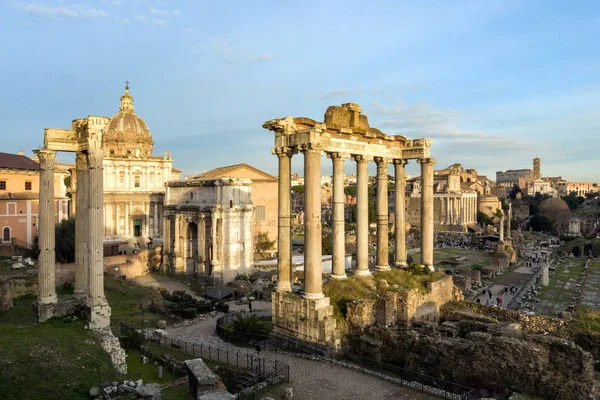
89, 228
313, 284
458, 210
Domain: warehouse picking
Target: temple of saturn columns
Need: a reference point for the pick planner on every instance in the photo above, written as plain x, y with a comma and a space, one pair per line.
85, 139
345, 134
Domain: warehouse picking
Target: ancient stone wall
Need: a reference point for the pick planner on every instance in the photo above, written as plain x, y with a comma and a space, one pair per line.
529, 323
403, 306
544, 366
12, 287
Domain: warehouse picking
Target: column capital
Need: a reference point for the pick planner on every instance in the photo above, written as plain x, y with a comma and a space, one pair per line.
399, 161
310, 147
381, 160
46, 158
95, 158
81, 161
284, 151
359, 158
426, 161
336, 155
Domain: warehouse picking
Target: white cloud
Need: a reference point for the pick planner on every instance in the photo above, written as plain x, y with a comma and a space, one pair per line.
123, 20
261, 57
58, 13
141, 18
160, 13
160, 22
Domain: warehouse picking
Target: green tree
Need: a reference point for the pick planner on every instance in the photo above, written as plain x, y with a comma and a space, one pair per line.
263, 244
573, 201
65, 245
298, 189
327, 243
483, 219
540, 223
350, 190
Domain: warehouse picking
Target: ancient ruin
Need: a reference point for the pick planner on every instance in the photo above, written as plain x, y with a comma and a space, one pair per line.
84, 139
344, 134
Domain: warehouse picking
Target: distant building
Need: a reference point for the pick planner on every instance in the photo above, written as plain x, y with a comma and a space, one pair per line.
455, 207
521, 177
542, 187
264, 195
580, 188
19, 198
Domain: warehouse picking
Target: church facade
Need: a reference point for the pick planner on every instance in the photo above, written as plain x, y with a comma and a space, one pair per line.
133, 177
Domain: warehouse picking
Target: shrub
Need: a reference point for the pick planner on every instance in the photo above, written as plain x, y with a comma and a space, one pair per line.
477, 267
189, 313
222, 307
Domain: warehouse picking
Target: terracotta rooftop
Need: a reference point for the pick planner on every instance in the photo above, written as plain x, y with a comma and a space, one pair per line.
222, 171
16, 161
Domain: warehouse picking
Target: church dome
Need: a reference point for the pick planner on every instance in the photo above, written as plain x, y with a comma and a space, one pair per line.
127, 135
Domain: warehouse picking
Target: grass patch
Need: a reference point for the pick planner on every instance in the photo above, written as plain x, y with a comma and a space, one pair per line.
146, 372
588, 319
181, 392
53, 360
341, 292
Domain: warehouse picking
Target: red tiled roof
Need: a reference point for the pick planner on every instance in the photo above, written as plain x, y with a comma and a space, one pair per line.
16, 161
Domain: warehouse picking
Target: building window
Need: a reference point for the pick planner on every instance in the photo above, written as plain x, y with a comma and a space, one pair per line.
6, 235
27, 185
136, 181
2, 185
122, 177
260, 213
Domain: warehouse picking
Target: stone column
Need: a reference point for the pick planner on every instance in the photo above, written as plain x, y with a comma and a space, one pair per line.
95, 228
155, 229
166, 247
46, 259
284, 228
362, 216
508, 222
400, 218
427, 211
338, 234
501, 226
99, 311
118, 219
382, 263
202, 242
545, 281
81, 227
313, 282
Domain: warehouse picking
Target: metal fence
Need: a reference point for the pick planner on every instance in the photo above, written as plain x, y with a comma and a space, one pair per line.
269, 372
342, 357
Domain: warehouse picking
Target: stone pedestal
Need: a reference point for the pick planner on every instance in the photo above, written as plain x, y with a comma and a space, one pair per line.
307, 319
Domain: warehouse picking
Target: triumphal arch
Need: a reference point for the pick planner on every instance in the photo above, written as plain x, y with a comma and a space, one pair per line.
85, 140
345, 134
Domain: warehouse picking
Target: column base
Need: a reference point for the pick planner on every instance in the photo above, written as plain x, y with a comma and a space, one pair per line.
339, 277
283, 287
305, 319
52, 299
81, 296
43, 312
363, 272
382, 267
98, 316
313, 296
401, 264
431, 268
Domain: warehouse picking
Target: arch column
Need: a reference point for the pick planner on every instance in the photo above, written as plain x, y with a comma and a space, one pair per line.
313, 269
362, 216
284, 228
81, 227
202, 242
427, 211
46, 259
382, 263
400, 217
339, 246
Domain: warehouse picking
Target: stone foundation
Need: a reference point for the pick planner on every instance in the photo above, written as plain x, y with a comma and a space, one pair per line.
98, 317
64, 307
306, 319
110, 344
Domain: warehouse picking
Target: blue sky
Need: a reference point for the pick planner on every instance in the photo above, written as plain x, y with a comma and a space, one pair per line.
493, 83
